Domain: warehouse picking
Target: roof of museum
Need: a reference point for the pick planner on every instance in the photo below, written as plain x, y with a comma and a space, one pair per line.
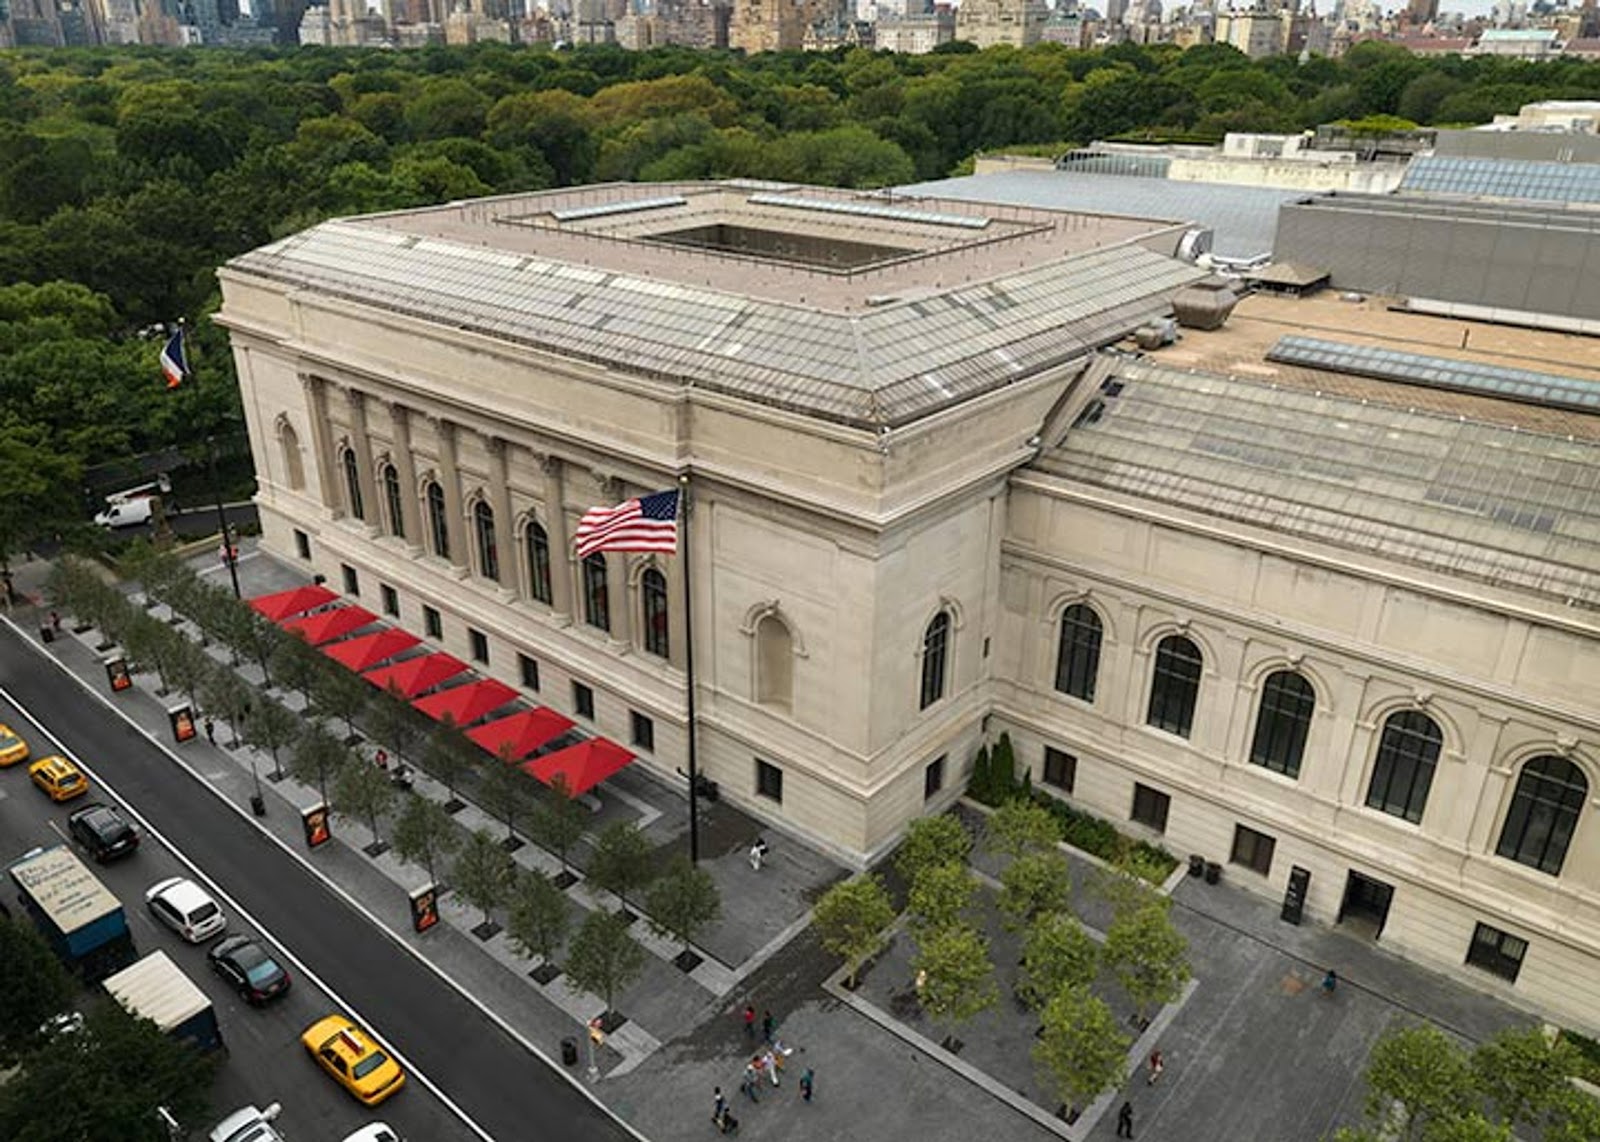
1502, 491
867, 309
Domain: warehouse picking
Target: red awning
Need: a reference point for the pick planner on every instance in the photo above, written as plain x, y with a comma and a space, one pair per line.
584, 765
325, 626
524, 731
370, 649
295, 601
466, 704
416, 675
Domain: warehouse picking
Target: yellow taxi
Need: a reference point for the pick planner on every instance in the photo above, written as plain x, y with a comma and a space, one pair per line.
354, 1058
12, 748
58, 778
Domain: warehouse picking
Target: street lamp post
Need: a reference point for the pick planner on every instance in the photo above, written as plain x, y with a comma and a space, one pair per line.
222, 517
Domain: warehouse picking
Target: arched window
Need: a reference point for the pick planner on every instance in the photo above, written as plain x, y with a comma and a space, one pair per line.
653, 594
1544, 814
935, 643
596, 605
483, 532
539, 563
293, 466
1403, 771
352, 483
1175, 685
774, 663
438, 522
1283, 722
391, 501
1078, 657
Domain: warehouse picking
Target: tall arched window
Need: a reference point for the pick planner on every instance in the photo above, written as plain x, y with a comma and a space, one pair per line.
293, 465
391, 501
774, 663
438, 522
352, 483
653, 594
1544, 814
1403, 771
1175, 686
1283, 722
935, 643
483, 532
539, 563
1078, 657
596, 604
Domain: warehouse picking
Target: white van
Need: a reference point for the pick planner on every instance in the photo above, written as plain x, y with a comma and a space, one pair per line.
127, 513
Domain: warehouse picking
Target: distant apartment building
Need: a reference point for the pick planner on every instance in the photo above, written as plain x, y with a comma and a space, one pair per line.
987, 23
918, 34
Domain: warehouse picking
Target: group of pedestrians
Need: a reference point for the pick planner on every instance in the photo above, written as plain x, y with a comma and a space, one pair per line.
766, 1065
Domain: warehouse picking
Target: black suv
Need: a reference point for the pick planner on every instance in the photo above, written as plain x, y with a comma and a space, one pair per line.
103, 831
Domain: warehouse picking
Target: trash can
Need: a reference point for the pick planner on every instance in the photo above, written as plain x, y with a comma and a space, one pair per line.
1197, 864
47, 633
569, 1052
258, 805
709, 789
1213, 872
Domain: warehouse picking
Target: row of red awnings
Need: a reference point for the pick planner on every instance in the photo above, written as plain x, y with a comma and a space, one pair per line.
316, 614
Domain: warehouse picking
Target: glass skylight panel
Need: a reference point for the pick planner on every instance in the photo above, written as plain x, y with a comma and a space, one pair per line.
866, 210
629, 206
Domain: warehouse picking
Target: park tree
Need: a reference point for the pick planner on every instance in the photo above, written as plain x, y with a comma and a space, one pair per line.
482, 875
1524, 1074
317, 758
1056, 954
621, 860
227, 696
1020, 827
1035, 883
683, 901
271, 727
851, 919
559, 821
449, 756
393, 722
424, 833
1080, 1049
1148, 955
539, 916
955, 979
342, 694
940, 898
296, 665
1417, 1078
603, 958
364, 791
931, 841
33, 988
507, 794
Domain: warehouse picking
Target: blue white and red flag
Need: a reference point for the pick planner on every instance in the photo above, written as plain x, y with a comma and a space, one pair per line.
173, 362
648, 523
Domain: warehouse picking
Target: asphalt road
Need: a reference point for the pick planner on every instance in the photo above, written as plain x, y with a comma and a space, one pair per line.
504, 1090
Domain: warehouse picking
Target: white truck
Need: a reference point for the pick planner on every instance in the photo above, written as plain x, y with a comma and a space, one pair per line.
156, 989
135, 505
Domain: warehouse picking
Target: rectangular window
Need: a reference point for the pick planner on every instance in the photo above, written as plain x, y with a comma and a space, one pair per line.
1150, 807
933, 777
480, 646
391, 599
302, 544
1496, 951
1060, 769
432, 623
352, 581
530, 671
1253, 849
644, 730
583, 700
769, 781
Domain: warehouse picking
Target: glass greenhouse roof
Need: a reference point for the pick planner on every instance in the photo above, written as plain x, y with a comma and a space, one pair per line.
1503, 178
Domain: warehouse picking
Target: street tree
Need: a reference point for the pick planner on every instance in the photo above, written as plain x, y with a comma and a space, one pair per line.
271, 727
227, 696
317, 758
603, 958
142, 639
393, 722
1418, 1078
449, 756
1056, 953
683, 901
559, 820
955, 978
851, 918
1020, 827
1035, 883
539, 918
33, 987
187, 667
364, 791
621, 860
482, 875
932, 841
1148, 955
343, 694
424, 833
507, 794
153, 568
295, 664
1080, 1049
940, 897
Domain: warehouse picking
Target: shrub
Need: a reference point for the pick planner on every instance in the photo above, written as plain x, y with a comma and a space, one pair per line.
1100, 837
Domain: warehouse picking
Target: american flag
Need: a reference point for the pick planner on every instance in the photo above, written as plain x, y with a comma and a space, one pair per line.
649, 523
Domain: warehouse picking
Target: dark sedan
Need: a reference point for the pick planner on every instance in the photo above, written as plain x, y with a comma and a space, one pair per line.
103, 831
250, 968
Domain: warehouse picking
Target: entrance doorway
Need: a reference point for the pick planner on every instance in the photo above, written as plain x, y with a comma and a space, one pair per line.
1366, 905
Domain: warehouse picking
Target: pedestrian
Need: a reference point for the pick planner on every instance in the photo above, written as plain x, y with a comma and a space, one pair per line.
727, 1123
719, 1106
211, 730
752, 1080
768, 1026
382, 759
1330, 981
770, 1062
1157, 1065
758, 853
749, 1021
807, 1081
55, 621
1125, 1121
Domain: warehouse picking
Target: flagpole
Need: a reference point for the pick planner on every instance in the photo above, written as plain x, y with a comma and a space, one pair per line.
688, 660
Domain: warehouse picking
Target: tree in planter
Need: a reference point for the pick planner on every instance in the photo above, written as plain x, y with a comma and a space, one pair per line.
851, 918
235, 626
940, 897
1003, 770
1034, 883
393, 722
1524, 1074
211, 610
424, 832
225, 694
142, 639
448, 756
271, 727
682, 902
1426, 1075
33, 988
932, 841
364, 791
602, 958
559, 821
1080, 1048
340, 693
1019, 827
1056, 954
955, 979
482, 875
507, 794
621, 861
540, 916
294, 662
979, 785
151, 567
318, 757
1147, 954
188, 666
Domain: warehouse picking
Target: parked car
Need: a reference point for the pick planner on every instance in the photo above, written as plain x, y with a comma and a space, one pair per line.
245, 964
248, 1124
103, 831
353, 1058
187, 909
58, 778
12, 748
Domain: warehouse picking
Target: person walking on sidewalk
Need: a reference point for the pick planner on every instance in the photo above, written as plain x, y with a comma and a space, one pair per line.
719, 1105
749, 1021
211, 730
1125, 1121
807, 1080
768, 1026
758, 853
1157, 1065
752, 1081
